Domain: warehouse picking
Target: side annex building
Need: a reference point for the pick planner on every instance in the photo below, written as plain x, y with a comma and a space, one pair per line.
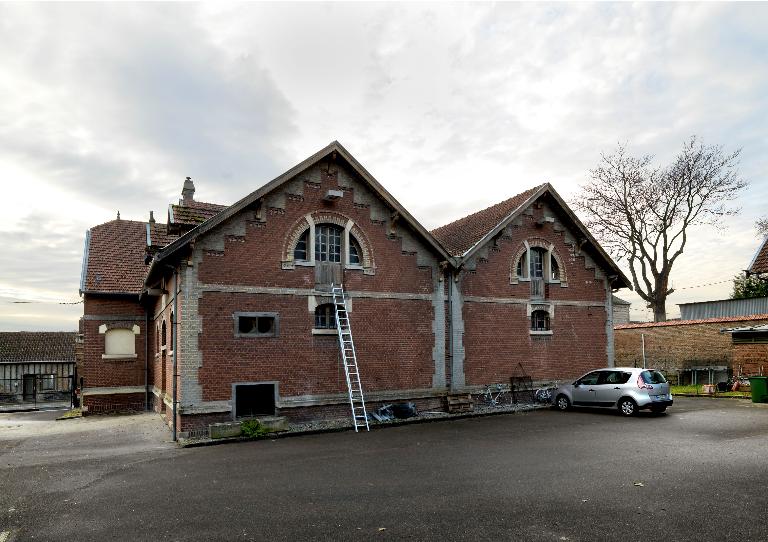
235, 300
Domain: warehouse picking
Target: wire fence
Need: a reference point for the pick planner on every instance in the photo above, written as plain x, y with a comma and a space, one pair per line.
35, 391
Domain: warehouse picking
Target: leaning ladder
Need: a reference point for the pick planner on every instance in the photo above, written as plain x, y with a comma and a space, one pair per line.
349, 358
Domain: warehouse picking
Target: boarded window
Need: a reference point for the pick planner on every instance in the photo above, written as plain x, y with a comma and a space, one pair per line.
119, 342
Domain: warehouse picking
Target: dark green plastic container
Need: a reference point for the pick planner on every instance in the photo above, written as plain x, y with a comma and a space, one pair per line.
759, 385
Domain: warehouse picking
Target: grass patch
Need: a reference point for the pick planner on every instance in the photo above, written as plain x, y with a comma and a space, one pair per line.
697, 389
69, 414
253, 429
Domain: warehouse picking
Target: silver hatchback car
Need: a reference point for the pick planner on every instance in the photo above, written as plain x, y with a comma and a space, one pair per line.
628, 389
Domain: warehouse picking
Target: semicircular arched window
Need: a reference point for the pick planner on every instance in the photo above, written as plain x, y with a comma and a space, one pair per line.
329, 246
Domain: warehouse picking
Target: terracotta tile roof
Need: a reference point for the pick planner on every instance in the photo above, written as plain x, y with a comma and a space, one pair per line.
159, 235
195, 212
116, 252
461, 235
27, 346
693, 322
760, 261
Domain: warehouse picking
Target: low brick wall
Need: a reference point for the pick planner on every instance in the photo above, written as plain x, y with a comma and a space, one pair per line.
114, 403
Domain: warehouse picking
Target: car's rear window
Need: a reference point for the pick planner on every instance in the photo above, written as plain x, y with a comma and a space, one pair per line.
653, 377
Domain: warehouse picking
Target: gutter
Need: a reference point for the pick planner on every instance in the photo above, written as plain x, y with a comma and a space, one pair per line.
174, 345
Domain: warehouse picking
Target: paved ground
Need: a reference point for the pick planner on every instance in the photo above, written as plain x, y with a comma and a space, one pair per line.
697, 473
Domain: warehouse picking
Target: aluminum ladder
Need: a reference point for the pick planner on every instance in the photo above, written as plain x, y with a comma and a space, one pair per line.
349, 358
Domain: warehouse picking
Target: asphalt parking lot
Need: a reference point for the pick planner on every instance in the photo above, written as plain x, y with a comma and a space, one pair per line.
696, 473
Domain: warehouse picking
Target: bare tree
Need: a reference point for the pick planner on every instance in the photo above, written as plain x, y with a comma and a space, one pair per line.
762, 227
643, 213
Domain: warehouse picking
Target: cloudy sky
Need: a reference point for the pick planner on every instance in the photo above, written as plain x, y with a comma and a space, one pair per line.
453, 107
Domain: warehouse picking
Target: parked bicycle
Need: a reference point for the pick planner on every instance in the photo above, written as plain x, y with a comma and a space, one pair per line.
496, 395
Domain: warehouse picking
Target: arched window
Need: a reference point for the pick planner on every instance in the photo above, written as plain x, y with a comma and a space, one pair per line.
354, 251
325, 316
163, 333
539, 320
554, 269
522, 266
300, 252
543, 265
328, 246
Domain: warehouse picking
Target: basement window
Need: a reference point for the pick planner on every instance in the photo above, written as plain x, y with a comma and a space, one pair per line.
256, 399
256, 324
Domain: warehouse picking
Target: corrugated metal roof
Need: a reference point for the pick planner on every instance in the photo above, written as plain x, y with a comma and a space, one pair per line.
723, 308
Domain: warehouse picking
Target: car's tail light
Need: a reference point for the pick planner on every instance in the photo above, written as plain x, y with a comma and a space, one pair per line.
642, 385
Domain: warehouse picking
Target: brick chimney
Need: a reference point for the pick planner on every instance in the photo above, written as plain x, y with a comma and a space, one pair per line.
188, 192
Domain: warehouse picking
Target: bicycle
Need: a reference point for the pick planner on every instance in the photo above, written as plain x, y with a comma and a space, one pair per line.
546, 395
496, 395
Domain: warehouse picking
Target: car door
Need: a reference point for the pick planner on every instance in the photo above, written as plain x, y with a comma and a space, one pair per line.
610, 387
584, 393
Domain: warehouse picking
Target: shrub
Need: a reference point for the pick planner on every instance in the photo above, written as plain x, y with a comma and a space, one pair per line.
253, 429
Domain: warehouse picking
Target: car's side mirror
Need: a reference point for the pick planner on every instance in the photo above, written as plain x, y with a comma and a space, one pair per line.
576, 384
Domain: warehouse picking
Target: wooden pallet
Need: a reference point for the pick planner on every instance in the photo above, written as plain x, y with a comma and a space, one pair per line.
460, 402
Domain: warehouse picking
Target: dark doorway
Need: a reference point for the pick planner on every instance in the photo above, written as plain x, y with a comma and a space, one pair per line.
254, 400
29, 387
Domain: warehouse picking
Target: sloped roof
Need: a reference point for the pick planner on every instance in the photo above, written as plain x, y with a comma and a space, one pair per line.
467, 235
159, 235
461, 235
616, 300
29, 346
334, 148
760, 261
671, 323
193, 212
114, 258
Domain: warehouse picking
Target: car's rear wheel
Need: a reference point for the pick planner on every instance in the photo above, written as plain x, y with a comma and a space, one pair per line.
627, 407
562, 403
658, 409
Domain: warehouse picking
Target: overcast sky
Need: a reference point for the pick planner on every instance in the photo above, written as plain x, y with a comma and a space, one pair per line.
453, 107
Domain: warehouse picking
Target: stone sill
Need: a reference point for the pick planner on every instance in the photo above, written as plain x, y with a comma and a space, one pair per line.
127, 357
548, 332
316, 331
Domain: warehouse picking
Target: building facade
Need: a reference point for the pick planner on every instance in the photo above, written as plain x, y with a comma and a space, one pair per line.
236, 302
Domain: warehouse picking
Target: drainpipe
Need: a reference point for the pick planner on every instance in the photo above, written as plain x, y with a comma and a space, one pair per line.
146, 358
448, 287
173, 343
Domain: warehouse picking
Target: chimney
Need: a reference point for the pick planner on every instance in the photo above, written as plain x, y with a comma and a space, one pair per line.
188, 192
151, 217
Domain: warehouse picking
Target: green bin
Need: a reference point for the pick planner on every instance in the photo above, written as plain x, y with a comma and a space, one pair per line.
759, 386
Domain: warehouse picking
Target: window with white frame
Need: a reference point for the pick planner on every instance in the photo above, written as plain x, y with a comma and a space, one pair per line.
329, 246
538, 263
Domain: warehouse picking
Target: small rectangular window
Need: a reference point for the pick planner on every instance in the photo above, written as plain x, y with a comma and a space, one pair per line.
256, 324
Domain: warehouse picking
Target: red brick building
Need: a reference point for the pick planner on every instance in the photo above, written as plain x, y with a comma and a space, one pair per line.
235, 300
